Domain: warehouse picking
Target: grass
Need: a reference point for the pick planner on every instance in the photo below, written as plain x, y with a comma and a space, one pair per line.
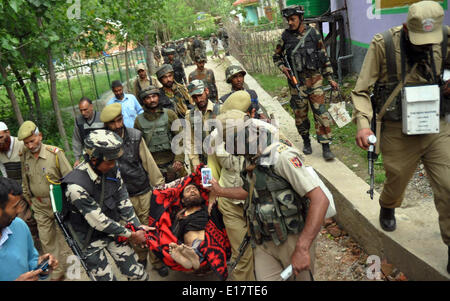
343, 138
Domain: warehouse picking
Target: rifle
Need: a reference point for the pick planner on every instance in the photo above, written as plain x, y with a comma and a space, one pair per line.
292, 78
372, 156
68, 237
244, 244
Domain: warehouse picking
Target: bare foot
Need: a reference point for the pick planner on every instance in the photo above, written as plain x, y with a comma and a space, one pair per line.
189, 253
175, 253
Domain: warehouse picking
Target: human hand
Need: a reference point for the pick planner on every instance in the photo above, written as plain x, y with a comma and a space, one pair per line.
138, 238
334, 85
30, 276
147, 228
52, 262
214, 189
286, 72
301, 260
177, 165
76, 163
362, 138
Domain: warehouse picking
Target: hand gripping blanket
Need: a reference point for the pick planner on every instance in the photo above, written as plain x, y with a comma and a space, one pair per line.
164, 205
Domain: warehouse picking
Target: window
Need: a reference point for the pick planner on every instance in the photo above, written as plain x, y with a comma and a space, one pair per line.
397, 6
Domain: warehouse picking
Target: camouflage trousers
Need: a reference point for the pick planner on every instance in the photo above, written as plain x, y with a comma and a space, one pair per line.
225, 46
311, 94
215, 51
123, 255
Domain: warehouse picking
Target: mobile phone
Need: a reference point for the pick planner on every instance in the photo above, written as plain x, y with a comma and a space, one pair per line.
43, 265
286, 273
206, 176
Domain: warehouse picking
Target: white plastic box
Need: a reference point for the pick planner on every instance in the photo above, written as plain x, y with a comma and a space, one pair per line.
420, 109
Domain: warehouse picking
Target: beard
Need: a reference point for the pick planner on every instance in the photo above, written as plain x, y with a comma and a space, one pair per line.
192, 201
169, 84
4, 147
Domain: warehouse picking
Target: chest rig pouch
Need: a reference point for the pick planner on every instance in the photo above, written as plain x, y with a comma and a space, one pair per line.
277, 210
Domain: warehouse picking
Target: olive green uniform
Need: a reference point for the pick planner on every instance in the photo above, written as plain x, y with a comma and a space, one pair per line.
402, 153
50, 166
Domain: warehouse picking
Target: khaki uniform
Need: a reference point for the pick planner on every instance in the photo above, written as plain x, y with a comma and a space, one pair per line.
271, 260
226, 169
193, 157
401, 153
311, 92
38, 174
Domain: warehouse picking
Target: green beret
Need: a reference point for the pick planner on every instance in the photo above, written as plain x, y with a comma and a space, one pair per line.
27, 129
110, 112
239, 100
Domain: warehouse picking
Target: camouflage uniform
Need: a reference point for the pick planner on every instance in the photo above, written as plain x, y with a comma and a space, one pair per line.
180, 97
214, 45
311, 82
105, 228
208, 77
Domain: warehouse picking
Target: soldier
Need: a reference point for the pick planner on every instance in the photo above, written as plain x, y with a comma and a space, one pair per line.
199, 46
10, 148
188, 58
181, 51
143, 81
43, 165
178, 69
139, 172
177, 93
223, 36
204, 111
191, 48
156, 125
275, 178
157, 55
96, 202
88, 121
308, 58
207, 76
235, 75
214, 45
416, 52
130, 105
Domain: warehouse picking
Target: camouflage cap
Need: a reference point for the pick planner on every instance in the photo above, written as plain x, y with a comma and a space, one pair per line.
148, 91
103, 144
425, 23
110, 112
233, 70
163, 70
27, 129
200, 58
239, 100
196, 87
170, 51
140, 67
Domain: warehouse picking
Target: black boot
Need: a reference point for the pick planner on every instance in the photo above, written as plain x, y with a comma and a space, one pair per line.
327, 154
387, 219
307, 149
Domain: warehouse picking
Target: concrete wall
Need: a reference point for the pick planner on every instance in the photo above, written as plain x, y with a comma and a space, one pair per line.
364, 24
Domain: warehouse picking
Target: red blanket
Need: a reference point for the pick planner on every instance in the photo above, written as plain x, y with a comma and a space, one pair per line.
164, 205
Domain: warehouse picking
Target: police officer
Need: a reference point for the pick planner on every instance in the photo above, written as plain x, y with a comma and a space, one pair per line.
421, 42
43, 165
88, 121
177, 66
206, 75
139, 172
308, 58
156, 125
285, 206
204, 111
96, 204
176, 92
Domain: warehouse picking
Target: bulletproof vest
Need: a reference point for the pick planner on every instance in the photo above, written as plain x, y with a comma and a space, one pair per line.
109, 205
197, 44
156, 133
138, 84
133, 173
178, 71
14, 170
84, 128
382, 90
302, 53
194, 120
277, 210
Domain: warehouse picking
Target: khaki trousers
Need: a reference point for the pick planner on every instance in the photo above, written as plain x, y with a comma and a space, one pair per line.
141, 205
271, 260
401, 155
50, 235
236, 226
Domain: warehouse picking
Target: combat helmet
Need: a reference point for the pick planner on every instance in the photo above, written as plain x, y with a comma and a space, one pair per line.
233, 70
104, 145
293, 10
148, 91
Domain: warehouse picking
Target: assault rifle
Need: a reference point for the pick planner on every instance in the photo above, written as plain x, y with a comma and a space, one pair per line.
292, 76
372, 156
244, 244
69, 238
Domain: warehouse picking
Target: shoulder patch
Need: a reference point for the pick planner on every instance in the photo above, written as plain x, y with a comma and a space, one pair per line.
53, 149
296, 162
281, 148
